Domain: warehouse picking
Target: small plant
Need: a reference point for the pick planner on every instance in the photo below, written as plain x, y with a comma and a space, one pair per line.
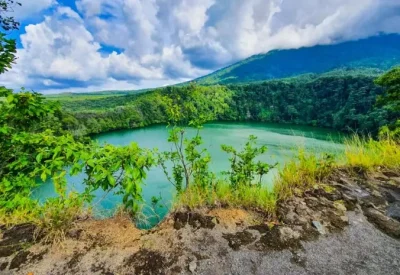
191, 106
189, 163
155, 205
244, 167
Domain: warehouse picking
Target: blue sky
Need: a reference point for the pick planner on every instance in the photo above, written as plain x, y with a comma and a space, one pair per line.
92, 45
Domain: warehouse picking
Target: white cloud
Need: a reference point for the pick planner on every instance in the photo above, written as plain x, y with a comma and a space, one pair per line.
163, 41
111, 84
61, 47
30, 8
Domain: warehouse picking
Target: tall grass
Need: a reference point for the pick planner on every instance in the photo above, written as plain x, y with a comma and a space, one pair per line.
224, 195
367, 153
304, 172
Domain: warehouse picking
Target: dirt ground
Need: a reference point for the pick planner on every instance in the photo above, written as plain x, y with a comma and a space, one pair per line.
352, 228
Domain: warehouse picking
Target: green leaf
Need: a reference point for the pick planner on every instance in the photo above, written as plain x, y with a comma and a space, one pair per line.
43, 176
39, 158
111, 180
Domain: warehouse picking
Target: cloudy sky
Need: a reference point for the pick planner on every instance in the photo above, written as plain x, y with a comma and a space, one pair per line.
91, 45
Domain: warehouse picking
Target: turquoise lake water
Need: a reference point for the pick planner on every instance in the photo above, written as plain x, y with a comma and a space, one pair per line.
281, 140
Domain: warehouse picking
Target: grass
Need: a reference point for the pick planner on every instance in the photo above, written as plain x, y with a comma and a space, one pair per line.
302, 173
59, 215
368, 154
305, 172
222, 195
53, 219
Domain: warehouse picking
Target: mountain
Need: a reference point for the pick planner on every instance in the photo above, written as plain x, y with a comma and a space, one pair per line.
379, 52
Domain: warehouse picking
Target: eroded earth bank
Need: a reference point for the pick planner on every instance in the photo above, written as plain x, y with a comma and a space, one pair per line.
350, 225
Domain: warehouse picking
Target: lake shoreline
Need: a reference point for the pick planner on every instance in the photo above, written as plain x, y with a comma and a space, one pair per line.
283, 145
351, 216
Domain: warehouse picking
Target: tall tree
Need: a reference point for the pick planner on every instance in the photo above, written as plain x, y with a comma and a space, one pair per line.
391, 99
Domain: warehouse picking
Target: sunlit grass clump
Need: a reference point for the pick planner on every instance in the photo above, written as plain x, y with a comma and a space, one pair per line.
367, 153
223, 195
302, 173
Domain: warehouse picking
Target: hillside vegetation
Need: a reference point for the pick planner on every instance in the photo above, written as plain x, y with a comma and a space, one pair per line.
380, 52
342, 99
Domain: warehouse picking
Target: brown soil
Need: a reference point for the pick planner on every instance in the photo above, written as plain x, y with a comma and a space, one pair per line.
188, 238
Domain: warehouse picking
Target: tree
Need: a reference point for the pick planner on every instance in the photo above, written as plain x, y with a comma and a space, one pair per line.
7, 23
391, 82
390, 100
33, 145
191, 106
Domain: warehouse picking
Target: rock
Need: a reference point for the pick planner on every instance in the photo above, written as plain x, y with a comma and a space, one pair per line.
286, 233
235, 241
346, 181
390, 174
301, 207
319, 227
19, 259
195, 220
312, 202
15, 238
386, 224
3, 266
344, 219
376, 193
192, 266
290, 218
393, 211
380, 177
340, 206
349, 198
395, 180
279, 238
301, 220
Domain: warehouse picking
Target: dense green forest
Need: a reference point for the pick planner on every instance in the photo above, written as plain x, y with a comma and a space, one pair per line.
379, 52
342, 99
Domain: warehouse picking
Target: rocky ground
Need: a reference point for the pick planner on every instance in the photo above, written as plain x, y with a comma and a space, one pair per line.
349, 226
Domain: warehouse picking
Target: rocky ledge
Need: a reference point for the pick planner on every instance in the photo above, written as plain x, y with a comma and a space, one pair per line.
350, 224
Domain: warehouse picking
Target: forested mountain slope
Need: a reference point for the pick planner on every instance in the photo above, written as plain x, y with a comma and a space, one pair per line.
340, 99
379, 52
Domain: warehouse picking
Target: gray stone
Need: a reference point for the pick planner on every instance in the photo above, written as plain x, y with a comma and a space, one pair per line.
290, 218
319, 227
286, 233
393, 211
192, 266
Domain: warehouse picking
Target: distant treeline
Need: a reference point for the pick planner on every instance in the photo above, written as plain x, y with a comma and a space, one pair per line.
342, 101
